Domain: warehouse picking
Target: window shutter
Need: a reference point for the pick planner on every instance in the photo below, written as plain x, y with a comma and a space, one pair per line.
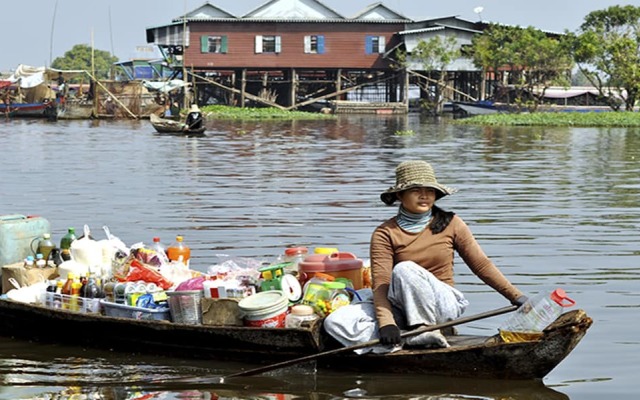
204, 44
258, 43
225, 44
278, 44
368, 46
307, 44
381, 44
320, 44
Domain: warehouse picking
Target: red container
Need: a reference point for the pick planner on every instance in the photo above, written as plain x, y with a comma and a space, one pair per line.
345, 265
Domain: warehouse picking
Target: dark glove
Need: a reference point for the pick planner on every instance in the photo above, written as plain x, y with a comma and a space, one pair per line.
390, 334
520, 301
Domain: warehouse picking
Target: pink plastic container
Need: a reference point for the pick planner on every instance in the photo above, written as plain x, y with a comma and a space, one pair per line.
345, 265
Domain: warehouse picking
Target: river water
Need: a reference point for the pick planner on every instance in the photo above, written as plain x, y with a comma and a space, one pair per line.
553, 207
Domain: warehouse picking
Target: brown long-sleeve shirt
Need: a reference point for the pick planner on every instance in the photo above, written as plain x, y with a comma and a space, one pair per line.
390, 245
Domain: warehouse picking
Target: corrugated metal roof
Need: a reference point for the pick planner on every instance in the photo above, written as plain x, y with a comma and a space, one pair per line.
301, 21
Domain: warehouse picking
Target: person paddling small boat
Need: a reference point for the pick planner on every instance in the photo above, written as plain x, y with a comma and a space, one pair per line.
194, 121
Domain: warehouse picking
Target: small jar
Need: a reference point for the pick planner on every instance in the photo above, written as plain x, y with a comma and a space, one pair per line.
294, 255
300, 314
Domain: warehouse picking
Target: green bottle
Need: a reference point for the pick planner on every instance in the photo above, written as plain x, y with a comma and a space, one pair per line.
65, 244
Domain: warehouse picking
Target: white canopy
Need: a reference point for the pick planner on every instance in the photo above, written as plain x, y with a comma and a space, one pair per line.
29, 76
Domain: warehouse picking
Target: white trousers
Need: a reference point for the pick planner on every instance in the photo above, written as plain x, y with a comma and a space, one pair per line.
417, 297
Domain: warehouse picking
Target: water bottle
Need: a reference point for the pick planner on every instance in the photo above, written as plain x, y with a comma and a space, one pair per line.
179, 251
65, 244
528, 322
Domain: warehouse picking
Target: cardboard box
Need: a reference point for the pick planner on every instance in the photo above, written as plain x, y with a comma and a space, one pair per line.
221, 312
25, 277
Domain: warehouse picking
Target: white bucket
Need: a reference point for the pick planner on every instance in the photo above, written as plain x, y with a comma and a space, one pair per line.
265, 309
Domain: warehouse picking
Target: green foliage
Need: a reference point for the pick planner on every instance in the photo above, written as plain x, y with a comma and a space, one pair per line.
436, 53
592, 119
527, 57
607, 50
432, 56
79, 57
250, 113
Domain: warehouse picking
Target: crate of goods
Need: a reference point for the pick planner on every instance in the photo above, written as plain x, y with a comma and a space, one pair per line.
17, 232
340, 264
123, 311
186, 306
72, 303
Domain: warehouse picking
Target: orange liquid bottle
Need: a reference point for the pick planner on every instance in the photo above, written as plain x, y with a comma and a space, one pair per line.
179, 251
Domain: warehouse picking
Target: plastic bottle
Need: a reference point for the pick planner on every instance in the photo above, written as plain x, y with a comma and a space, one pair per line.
65, 291
65, 244
161, 250
29, 262
179, 249
75, 304
57, 296
40, 262
45, 245
528, 322
158, 246
300, 314
50, 293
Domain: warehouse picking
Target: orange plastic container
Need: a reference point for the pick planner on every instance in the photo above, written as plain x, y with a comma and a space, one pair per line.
179, 249
345, 265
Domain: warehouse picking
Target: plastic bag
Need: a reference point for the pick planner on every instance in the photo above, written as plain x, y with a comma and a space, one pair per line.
141, 272
176, 272
192, 284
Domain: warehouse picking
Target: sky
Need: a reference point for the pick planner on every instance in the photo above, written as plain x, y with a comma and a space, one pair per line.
35, 32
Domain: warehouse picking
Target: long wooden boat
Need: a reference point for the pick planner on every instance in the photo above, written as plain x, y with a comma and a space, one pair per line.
165, 125
30, 110
468, 356
75, 109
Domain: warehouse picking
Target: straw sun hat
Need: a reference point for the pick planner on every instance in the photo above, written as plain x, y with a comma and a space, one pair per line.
194, 108
411, 174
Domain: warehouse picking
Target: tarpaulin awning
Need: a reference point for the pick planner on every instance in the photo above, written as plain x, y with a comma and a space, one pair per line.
165, 86
29, 76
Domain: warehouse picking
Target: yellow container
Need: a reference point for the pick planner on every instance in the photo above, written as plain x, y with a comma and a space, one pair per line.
325, 250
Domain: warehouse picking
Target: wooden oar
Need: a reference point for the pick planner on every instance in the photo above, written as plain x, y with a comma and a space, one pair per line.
414, 332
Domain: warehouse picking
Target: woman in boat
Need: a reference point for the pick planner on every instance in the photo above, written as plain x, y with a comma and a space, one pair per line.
194, 118
412, 258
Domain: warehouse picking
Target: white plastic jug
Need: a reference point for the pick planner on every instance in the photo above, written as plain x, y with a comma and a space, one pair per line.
528, 321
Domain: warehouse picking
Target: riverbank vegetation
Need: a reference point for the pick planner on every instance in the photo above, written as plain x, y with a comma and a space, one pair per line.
230, 112
591, 119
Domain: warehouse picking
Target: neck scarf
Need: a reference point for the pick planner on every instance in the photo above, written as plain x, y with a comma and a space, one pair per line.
411, 222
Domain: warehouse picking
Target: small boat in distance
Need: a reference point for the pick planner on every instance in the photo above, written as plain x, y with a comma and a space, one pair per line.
170, 126
482, 107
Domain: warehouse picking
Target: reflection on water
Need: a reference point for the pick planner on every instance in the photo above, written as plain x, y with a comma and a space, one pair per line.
48, 372
553, 207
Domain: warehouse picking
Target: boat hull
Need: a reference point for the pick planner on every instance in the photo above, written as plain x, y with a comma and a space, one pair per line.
30, 110
469, 356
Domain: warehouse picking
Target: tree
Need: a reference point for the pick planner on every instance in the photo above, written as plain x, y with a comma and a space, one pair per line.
79, 57
433, 56
607, 50
526, 59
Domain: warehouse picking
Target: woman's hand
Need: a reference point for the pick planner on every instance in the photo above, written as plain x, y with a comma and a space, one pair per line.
390, 335
520, 301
